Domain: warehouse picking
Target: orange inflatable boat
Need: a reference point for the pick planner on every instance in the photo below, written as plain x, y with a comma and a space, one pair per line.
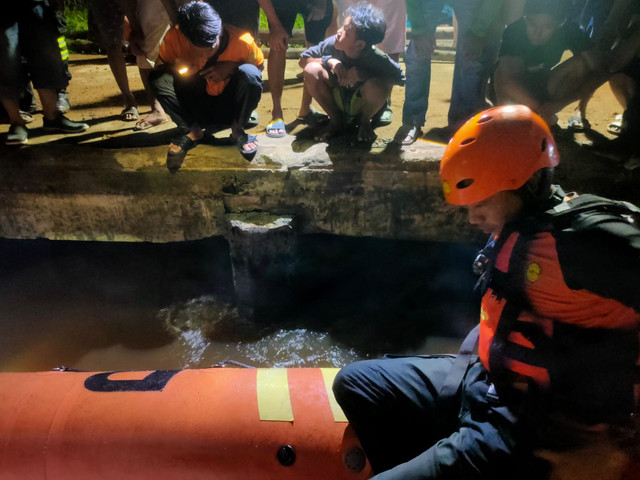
217, 423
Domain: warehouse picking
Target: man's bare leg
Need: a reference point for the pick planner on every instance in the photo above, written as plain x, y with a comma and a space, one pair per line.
316, 78
374, 96
276, 64
157, 115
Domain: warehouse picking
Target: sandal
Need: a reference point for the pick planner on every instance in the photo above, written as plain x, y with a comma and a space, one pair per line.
129, 114
407, 134
17, 135
175, 159
385, 118
244, 139
26, 116
314, 119
616, 127
253, 120
578, 123
273, 126
145, 124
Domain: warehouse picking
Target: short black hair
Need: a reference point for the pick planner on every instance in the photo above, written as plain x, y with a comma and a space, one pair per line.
368, 22
200, 23
556, 9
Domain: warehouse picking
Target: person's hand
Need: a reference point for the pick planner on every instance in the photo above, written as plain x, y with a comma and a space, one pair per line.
278, 38
218, 72
353, 77
346, 77
340, 71
317, 10
423, 44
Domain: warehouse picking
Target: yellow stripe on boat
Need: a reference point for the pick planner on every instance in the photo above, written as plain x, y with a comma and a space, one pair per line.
329, 374
274, 401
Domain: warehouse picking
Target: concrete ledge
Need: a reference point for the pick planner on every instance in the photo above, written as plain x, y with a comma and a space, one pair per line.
118, 190
63, 191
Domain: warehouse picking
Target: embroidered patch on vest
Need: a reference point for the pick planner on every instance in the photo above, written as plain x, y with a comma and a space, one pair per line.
533, 272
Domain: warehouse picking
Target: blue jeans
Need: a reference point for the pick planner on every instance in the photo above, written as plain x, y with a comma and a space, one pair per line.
417, 84
470, 77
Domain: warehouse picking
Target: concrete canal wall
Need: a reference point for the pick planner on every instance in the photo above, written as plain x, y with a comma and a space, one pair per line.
82, 192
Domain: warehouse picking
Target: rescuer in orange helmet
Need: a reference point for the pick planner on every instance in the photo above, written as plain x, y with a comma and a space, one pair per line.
557, 338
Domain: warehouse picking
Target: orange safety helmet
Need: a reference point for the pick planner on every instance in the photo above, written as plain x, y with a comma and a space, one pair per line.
498, 149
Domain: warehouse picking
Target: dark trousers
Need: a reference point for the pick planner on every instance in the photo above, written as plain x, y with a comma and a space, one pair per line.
409, 433
187, 102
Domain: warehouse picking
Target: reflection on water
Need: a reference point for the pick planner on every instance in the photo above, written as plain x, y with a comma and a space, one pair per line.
99, 306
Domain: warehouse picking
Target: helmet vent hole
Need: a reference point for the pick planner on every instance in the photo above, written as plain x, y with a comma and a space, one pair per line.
462, 184
484, 119
543, 146
467, 141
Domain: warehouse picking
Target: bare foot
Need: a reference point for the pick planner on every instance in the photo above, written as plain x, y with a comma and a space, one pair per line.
152, 120
329, 131
366, 133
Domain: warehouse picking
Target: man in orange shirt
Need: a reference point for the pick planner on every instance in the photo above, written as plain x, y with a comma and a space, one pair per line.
211, 80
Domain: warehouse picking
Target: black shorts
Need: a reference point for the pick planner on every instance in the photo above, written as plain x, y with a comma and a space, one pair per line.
314, 31
106, 22
29, 29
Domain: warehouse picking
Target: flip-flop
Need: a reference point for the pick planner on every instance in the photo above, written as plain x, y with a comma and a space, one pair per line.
129, 114
253, 120
175, 159
144, 124
615, 127
26, 116
242, 140
314, 119
412, 132
385, 118
273, 126
578, 123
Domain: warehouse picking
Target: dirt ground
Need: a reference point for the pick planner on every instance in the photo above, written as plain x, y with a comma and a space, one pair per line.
95, 98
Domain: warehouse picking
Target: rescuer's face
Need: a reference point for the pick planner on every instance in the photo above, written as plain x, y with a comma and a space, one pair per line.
492, 214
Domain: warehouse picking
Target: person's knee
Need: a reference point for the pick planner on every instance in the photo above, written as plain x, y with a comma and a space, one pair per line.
349, 379
316, 79
313, 68
249, 76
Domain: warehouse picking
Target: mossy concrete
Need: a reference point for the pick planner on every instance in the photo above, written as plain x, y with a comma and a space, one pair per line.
81, 192
119, 192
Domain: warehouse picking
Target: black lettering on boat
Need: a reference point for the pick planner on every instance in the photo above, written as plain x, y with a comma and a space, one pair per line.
154, 382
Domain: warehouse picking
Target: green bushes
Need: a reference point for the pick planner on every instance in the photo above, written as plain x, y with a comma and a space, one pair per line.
75, 12
77, 19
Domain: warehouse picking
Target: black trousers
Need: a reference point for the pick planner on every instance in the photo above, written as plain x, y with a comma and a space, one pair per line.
187, 102
409, 433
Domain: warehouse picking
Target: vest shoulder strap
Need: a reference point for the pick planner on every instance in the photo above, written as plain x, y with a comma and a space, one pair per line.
587, 211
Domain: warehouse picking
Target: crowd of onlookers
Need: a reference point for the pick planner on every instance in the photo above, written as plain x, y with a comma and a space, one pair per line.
202, 68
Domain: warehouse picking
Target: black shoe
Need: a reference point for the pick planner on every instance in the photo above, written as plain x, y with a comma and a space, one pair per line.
62, 104
64, 125
17, 135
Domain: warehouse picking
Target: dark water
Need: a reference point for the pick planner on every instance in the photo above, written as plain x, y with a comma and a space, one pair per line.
131, 306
